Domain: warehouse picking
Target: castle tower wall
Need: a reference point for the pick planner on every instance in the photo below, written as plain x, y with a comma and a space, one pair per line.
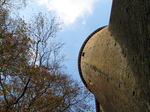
114, 61
106, 73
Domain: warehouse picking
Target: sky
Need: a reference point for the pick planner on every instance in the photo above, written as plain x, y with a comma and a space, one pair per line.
79, 17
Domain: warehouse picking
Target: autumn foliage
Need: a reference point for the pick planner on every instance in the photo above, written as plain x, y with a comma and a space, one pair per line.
31, 73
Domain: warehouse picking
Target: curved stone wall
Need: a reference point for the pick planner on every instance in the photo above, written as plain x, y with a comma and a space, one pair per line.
105, 70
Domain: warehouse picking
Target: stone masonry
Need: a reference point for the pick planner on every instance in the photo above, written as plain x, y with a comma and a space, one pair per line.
114, 61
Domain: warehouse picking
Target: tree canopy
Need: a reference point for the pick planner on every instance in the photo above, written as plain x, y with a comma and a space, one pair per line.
31, 73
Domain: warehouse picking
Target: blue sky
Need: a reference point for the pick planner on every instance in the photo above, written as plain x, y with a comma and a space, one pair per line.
79, 17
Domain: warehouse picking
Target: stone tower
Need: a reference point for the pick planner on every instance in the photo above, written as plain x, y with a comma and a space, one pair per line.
114, 61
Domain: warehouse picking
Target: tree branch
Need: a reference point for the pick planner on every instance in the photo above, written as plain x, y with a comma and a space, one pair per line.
24, 91
4, 2
4, 91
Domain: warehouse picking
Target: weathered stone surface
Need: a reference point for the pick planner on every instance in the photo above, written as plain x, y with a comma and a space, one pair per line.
107, 74
114, 61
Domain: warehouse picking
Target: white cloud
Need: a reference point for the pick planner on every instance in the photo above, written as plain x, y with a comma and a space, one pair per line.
69, 10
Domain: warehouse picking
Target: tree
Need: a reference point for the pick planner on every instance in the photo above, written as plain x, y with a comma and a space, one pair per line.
31, 74
13, 4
